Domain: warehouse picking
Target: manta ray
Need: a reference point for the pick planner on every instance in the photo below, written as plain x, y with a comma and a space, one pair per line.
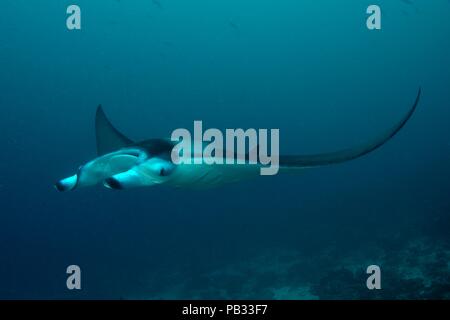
122, 163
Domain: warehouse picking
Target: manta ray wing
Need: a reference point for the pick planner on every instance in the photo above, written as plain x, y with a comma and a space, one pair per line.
315, 160
109, 139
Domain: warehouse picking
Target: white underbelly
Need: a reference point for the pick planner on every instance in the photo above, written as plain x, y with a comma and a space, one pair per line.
207, 176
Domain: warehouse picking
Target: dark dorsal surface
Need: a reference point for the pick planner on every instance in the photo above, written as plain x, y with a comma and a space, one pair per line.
157, 147
110, 139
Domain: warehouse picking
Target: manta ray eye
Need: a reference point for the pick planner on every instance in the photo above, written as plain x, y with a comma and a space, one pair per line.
162, 172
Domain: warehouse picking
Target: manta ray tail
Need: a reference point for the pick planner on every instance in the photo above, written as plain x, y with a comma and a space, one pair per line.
315, 160
108, 137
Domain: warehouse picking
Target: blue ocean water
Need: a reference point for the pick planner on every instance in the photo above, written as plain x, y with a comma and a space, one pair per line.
310, 68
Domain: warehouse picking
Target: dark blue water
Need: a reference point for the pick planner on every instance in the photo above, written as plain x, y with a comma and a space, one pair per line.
310, 68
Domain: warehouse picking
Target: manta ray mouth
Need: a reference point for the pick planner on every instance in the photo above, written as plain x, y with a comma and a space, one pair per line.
112, 183
60, 186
